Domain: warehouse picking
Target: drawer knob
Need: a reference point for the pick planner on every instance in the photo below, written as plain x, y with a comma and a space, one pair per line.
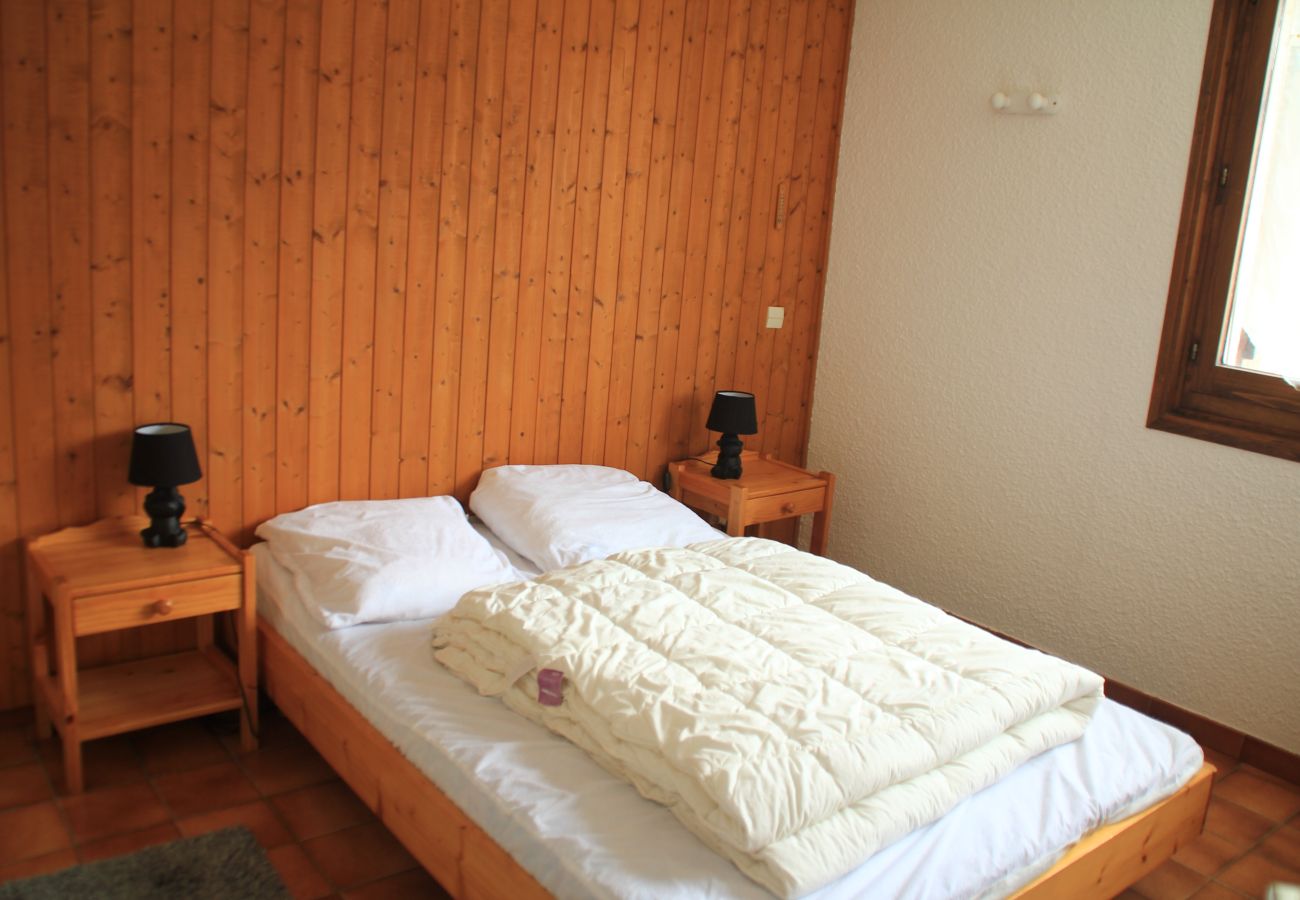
787, 507
162, 607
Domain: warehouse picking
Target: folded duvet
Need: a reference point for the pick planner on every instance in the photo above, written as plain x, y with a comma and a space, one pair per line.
792, 712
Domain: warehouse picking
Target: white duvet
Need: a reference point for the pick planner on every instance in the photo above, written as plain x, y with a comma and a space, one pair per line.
793, 713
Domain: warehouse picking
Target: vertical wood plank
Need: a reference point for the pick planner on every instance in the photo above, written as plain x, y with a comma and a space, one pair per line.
26, 183
192, 67
329, 246
68, 31
226, 172
110, 251
559, 239
296, 248
453, 238
609, 229
509, 231
537, 205
581, 301
485, 159
422, 253
151, 208
365, 135
632, 244
390, 272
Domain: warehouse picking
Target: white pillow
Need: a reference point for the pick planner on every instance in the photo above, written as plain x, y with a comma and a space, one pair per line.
564, 515
360, 561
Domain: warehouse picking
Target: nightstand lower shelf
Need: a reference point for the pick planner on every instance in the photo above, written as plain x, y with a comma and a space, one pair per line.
147, 692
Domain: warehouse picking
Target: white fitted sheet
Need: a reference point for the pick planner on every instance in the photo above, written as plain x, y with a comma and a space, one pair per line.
584, 833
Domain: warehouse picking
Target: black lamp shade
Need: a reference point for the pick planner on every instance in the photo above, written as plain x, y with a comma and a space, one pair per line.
162, 455
733, 413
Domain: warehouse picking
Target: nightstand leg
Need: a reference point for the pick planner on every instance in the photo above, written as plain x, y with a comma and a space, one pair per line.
822, 520
36, 644
248, 658
70, 727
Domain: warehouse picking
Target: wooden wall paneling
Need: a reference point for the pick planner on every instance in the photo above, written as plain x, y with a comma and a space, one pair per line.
110, 251
422, 246
296, 248
774, 424
151, 199
226, 171
261, 254
713, 298
582, 274
741, 199
817, 223
761, 204
390, 263
658, 444
485, 170
67, 29
559, 239
511, 182
364, 141
537, 205
769, 281
191, 92
15, 677
654, 239
22, 43
632, 244
613, 182
695, 251
333, 91
453, 239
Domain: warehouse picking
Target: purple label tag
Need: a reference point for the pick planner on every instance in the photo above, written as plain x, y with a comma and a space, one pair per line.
550, 687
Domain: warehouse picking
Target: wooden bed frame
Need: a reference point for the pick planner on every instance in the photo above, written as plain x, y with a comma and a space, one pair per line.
470, 865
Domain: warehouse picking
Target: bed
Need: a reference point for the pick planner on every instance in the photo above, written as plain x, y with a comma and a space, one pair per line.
494, 806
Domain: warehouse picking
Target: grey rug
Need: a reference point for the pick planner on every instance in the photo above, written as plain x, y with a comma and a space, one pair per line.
215, 866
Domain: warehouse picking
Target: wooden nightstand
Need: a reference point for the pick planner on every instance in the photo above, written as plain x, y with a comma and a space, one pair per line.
766, 491
100, 578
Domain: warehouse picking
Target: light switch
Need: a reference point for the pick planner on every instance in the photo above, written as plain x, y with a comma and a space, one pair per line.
775, 316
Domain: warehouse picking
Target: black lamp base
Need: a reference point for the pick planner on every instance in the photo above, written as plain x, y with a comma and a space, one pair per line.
165, 506
728, 465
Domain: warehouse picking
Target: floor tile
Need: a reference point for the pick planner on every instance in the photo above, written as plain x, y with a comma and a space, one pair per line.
1207, 854
202, 790
28, 831
298, 874
39, 865
1283, 846
178, 747
320, 809
1268, 797
414, 884
113, 810
23, 785
257, 817
359, 854
16, 745
131, 841
281, 769
1254, 872
1216, 891
1172, 881
108, 762
1239, 826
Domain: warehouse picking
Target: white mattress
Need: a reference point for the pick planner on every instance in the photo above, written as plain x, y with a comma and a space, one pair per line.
581, 832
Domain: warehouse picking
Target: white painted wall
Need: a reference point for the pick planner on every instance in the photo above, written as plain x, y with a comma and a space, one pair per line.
995, 295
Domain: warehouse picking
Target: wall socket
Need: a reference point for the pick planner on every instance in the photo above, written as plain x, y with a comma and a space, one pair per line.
775, 316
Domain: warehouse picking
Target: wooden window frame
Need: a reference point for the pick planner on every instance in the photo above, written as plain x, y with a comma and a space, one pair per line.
1193, 395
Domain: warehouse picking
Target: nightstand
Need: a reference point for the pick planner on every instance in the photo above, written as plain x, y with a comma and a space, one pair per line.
767, 490
101, 578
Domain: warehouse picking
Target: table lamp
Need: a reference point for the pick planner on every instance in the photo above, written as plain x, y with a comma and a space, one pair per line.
732, 414
162, 457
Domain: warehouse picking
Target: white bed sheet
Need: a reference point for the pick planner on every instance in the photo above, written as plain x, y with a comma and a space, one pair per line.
582, 833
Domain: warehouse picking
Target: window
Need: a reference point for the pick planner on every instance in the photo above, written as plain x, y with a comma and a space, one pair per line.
1229, 363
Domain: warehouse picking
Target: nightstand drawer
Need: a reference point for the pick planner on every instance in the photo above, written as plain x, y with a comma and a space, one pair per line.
153, 605
783, 506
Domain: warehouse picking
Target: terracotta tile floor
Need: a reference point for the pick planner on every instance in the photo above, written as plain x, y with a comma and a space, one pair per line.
190, 777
